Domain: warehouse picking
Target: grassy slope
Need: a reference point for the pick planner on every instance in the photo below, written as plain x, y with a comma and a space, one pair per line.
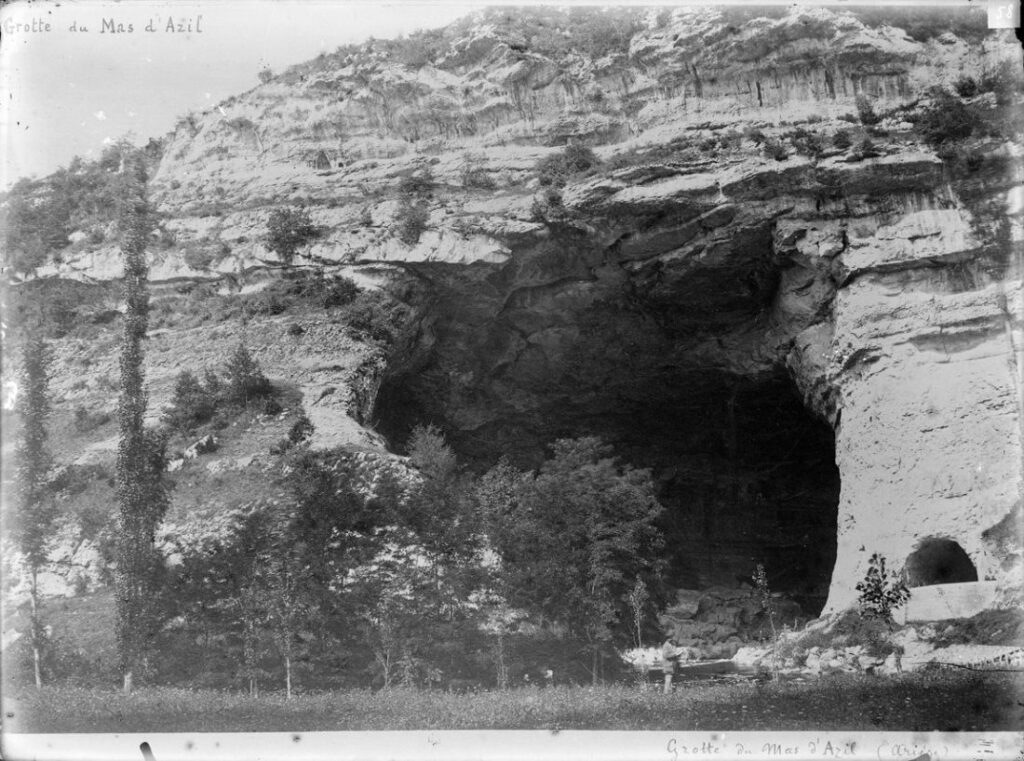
945, 701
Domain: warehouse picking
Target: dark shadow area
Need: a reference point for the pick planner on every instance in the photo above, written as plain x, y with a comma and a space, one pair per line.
939, 561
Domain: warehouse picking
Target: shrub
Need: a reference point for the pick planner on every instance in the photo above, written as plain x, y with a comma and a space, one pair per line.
420, 48
557, 169
806, 143
86, 421
755, 135
419, 184
376, 315
411, 220
271, 406
841, 139
192, 404
295, 329
866, 149
244, 380
866, 111
947, 119
881, 592
966, 87
199, 257
472, 175
852, 629
775, 150
265, 75
301, 430
338, 292
268, 301
287, 229
1004, 80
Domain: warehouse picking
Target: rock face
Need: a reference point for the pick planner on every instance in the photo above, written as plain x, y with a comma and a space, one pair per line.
818, 352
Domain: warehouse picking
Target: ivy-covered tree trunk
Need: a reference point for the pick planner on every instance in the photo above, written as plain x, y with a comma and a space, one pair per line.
35, 507
141, 492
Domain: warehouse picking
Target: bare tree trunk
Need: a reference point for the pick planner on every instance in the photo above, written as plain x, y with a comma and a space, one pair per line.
287, 678
502, 666
127, 682
34, 624
35, 663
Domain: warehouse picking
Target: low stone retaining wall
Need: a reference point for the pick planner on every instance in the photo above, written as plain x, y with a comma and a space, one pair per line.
944, 601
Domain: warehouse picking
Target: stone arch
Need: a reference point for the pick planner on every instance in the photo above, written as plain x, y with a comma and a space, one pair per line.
939, 561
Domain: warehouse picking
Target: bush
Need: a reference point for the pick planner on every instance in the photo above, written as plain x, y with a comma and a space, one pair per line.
419, 184
338, 292
557, 169
867, 149
966, 87
806, 143
866, 111
1005, 81
200, 257
472, 175
774, 149
754, 135
881, 592
301, 430
376, 315
287, 229
947, 119
192, 404
295, 329
86, 421
411, 220
841, 139
852, 629
244, 380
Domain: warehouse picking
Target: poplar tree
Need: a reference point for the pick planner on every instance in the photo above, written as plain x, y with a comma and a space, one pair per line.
35, 505
141, 490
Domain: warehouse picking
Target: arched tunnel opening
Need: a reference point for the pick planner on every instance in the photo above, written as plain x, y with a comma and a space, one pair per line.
939, 561
746, 473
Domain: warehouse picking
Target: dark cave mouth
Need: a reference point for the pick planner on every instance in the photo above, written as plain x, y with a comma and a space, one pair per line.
745, 471
939, 561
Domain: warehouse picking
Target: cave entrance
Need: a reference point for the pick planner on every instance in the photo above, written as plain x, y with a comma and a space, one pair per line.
752, 481
746, 473
939, 561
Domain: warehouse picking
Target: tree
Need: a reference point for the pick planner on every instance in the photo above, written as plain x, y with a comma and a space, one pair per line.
192, 404
287, 229
35, 506
141, 490
244, 379
439, 509
573, 540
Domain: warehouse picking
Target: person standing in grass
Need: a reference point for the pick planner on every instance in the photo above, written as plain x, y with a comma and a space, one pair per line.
670, 652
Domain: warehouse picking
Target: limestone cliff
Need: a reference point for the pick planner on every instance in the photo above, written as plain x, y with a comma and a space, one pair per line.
818, 350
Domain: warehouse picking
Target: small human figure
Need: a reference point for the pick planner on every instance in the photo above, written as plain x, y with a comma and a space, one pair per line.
670, 652
549, 677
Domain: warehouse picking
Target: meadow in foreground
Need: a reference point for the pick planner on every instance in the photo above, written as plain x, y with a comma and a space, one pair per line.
945, 701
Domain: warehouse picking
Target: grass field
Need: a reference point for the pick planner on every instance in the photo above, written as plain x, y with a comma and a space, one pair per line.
945, 701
